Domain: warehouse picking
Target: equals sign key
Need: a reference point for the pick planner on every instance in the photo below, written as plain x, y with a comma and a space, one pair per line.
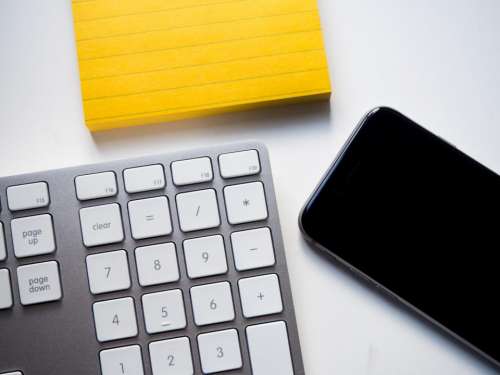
150, 217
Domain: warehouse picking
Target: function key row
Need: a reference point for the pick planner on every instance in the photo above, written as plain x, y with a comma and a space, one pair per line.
268, 348
138, 179
151, 217
152, 177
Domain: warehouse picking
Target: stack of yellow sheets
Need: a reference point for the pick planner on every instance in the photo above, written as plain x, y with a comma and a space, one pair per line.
149, 61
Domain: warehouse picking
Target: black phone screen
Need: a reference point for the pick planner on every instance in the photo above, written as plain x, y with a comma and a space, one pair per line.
420, 218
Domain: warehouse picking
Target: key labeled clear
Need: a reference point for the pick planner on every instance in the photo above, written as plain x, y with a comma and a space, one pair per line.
33, 235
220, 351
115, 319
269, 349
101, 225
205, 256
245, 203
39, 283
212, 303
126, 360
198, 210
260, 295
252, 249
147, 178
164, 311
108, 272
157, 264
171, 357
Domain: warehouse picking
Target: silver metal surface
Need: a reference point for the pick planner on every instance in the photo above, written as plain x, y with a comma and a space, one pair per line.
59, 338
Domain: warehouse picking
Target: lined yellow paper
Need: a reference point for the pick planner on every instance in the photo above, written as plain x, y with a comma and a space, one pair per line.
149, 61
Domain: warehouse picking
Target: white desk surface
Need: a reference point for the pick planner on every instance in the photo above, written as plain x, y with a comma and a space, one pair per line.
436, 61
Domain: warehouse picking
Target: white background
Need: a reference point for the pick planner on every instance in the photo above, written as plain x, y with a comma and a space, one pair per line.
436, 61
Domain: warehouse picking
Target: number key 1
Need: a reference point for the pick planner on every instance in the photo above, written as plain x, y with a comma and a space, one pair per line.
122, 361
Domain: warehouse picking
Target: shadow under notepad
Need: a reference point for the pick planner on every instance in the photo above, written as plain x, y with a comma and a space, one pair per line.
230, 126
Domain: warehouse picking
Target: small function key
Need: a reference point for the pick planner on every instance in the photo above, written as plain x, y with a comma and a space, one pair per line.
192, 171
147, 178
97, 185
238, 164
28, 196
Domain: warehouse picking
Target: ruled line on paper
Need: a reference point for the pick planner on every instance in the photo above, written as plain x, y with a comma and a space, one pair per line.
205, 64
158, 10
247, 78
200, 45
283, 95
197, 25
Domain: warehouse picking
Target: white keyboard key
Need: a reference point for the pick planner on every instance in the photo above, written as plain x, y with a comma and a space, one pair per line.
157, 264
220, 351
101, 225
3, 249
205, 256
171, 357
252, 249
269, 349
33, 235
245, 203
39, 282
115, 319
212, 303
260, 295
5, 289
149, 217
150, 177
13, 373
122, 361
24, 197
198, 210
192, 171
108, 272
97, 185
164, 311
242, 163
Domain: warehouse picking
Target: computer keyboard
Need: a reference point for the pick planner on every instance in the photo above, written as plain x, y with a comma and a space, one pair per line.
162, 265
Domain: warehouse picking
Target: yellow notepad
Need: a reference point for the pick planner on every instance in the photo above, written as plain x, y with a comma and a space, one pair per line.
149, 61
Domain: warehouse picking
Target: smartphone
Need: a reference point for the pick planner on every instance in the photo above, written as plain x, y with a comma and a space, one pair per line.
420, 219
